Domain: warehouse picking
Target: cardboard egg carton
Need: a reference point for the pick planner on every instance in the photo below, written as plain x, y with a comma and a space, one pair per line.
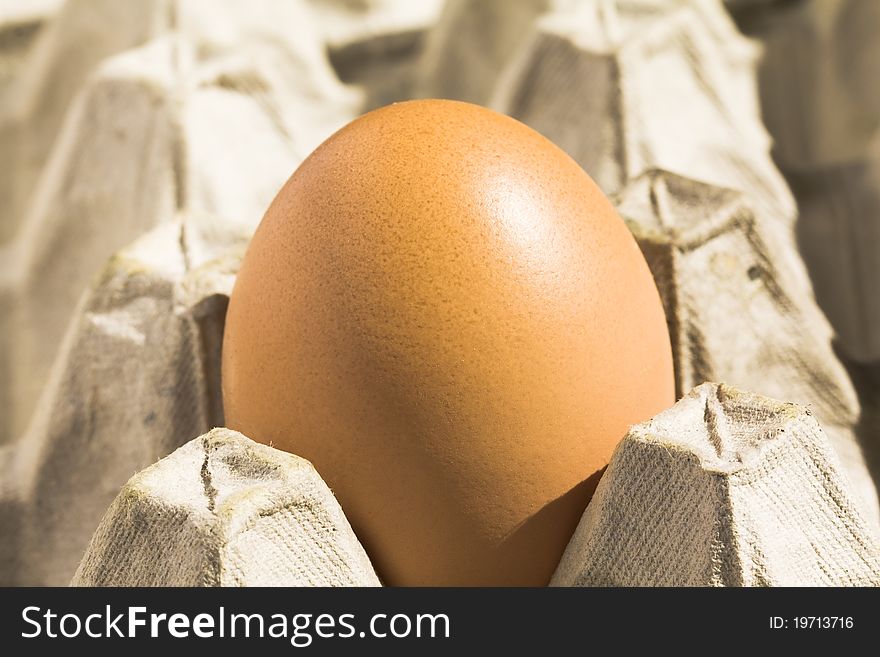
232, 107
139, 372
376, 46
839, 236
726, 488
67, 50
20, 23
626, 87
623, 87
734, 314
210, 120
821, 102
85, 33
818, 78
117, 142
223, 510
720, 285
137, 375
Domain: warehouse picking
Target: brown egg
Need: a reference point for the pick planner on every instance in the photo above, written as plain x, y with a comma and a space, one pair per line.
443, 313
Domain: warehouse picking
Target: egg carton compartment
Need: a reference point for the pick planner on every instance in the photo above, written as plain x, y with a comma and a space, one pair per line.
113, 294
20, 23
139, 372
223, 510
649, 73
735, 310
820, 102
726, 488
205, 116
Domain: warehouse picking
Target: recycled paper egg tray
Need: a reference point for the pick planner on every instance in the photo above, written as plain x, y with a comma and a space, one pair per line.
725, 488
150, 157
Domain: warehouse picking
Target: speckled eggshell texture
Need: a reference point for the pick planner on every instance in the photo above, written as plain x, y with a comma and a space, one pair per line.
444, 314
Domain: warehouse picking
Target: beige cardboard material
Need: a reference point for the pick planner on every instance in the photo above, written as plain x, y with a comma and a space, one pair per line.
839, 236
211, 118
117, 143
138, 375
821, 102
208, 128
620, 85
223, 510
234, 100
735, 314
726, 488
375, 46
20, 24
67, 50
818, 78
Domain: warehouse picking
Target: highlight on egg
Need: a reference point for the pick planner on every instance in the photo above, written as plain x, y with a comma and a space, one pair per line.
445, 315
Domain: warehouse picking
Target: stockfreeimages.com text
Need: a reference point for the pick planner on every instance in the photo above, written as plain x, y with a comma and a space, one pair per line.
300, 629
